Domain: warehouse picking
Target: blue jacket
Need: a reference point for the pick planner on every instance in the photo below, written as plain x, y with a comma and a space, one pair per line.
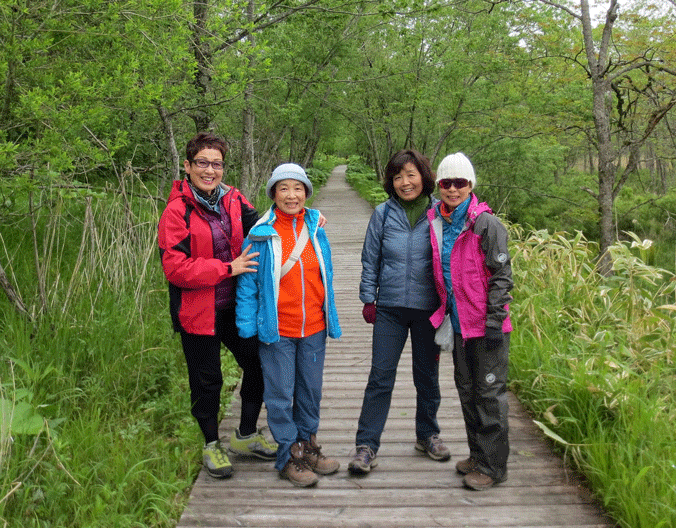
258, 293
397, 260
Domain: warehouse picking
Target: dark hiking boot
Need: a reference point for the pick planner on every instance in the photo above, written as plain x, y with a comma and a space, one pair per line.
466, 466
479, 481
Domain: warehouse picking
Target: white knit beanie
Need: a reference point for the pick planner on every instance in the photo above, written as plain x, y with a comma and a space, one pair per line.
456, 166
288, 171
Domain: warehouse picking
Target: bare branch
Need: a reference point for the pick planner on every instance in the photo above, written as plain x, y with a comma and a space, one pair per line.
12, 295
562, 8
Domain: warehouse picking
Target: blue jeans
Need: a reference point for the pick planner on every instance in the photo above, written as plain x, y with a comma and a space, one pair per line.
390, 332
293, 370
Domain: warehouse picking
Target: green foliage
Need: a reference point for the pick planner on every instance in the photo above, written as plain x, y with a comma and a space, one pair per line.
365, 181
83, 81
594, 360
96, 421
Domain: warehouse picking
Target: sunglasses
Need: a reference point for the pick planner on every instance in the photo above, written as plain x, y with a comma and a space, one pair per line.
458, 183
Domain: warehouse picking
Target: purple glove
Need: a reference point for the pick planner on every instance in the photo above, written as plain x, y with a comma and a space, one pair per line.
369, 313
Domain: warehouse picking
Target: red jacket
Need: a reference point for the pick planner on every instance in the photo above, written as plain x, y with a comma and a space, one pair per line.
186, 251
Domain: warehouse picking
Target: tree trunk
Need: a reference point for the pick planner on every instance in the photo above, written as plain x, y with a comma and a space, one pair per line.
606, 171
602, 98
202, 54
248, 181
175, 172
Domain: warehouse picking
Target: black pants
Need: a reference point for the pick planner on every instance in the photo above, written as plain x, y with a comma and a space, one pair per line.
481, 380
203, 357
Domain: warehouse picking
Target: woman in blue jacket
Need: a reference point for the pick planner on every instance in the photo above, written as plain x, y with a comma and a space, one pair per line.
398, 292
289, 304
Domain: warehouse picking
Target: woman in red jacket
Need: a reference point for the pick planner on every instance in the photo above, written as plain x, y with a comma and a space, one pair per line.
200, 238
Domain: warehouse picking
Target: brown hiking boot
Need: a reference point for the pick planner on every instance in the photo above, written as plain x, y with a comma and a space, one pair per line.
312, 454
479, 481
296, 469
466, 466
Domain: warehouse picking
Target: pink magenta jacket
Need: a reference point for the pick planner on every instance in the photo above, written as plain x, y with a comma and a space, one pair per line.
470, 271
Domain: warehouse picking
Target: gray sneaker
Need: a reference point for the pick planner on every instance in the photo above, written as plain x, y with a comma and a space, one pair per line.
364, 460
434, 448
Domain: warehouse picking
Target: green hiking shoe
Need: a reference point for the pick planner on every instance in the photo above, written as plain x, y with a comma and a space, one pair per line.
253, 445
215, 460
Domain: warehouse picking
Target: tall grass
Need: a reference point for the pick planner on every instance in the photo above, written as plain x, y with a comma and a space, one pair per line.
96, 429
593, 358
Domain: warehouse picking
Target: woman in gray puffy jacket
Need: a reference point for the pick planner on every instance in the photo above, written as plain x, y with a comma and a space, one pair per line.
399, 295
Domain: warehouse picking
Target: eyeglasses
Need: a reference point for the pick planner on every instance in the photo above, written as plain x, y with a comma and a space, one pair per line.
458, 183
204, 164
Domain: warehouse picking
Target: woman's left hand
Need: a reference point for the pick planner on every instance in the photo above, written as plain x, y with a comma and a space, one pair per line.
244, 263
494, 338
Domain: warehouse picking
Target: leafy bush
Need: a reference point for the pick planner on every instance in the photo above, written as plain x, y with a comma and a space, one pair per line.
365, 180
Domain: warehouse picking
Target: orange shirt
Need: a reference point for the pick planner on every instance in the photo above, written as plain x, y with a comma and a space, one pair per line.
300, 308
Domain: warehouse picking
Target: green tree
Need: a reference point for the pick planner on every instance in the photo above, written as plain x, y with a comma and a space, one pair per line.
631, 83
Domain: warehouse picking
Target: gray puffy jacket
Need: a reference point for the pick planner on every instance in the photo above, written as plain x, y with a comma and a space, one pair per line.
397, 260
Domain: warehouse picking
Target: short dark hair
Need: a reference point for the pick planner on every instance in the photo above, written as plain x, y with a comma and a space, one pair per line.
202, 141
421, 162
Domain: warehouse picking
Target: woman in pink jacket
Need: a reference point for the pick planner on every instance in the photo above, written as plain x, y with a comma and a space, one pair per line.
473, 276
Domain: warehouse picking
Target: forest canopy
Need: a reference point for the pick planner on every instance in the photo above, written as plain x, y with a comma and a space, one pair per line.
565, 108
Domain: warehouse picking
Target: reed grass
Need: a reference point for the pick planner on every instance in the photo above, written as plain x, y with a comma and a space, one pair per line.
593, 358
96, 365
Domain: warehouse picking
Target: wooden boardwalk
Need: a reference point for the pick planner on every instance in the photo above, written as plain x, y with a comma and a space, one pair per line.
407, 489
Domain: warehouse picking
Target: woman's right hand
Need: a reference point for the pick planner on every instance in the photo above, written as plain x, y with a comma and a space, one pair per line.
369, 313
244, 263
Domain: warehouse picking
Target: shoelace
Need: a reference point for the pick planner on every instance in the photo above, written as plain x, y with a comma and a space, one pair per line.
301, 465
218, 453
365, 454
314, 450
435, 441
265, 442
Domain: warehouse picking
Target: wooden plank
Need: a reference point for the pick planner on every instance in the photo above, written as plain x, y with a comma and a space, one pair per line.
407, 489
405, 517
